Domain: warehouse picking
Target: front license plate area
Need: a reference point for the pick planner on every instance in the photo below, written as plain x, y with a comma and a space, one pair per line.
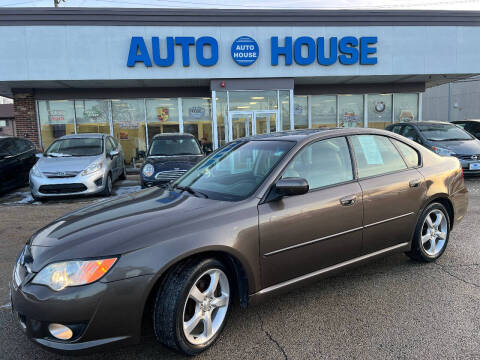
474, 166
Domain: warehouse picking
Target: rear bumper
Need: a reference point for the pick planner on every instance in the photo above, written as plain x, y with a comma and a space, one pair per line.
460, 204
101, 314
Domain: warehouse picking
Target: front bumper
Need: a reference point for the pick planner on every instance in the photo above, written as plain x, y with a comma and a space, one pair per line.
71, 186
100, 313
466, 166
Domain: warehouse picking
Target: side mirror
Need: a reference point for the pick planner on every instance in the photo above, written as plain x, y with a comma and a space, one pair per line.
292, 186
113, 153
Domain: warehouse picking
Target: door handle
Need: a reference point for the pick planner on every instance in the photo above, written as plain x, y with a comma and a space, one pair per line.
414, 183
348, 200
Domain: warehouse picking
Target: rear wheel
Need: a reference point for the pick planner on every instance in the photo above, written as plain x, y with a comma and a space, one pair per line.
192, 305
431, 234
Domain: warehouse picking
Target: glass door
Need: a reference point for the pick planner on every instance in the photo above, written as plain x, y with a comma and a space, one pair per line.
240, 124
265, 122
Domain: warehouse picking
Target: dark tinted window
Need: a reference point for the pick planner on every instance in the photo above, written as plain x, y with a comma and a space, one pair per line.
322, 163
7, 147
397, 129
23, 145
410, 154
376, 155
411, 133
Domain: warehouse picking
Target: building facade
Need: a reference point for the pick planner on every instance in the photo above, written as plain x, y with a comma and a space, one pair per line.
224, 74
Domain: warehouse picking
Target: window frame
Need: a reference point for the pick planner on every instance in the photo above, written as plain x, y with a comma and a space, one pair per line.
419, 154
386, 173
354, 169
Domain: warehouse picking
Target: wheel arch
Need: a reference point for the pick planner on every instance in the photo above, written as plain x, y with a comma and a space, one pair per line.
233, 264
446, 202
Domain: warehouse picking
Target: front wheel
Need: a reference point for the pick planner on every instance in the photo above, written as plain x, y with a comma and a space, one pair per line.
107, 191
192, 305
431, 234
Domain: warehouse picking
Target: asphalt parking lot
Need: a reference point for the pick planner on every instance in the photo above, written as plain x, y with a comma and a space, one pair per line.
393, 308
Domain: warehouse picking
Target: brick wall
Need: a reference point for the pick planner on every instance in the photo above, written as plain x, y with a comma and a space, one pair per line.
25, 115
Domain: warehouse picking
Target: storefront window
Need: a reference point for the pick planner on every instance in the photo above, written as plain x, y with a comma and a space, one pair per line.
92, 116
285, 109
56, 119
300, 112
129, 128
197, 118
350, 110
406, 107
253, 100
324, 111
379, 110
162, 117
222, 130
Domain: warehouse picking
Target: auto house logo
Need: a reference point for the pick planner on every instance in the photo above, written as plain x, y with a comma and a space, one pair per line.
245, 51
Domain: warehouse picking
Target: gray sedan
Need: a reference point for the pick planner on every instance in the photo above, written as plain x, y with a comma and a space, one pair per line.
445, 139
78, 165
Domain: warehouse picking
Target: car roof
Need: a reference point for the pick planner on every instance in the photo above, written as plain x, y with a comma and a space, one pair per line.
85, 135
173, 135
467, 120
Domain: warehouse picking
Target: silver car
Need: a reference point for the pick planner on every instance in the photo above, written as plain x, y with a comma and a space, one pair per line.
78, 165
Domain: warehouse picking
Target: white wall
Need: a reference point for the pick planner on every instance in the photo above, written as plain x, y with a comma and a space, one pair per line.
100, 52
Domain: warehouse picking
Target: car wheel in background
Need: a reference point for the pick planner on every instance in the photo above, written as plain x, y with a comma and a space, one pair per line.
192, 305
123, 175
431, 234
107, 191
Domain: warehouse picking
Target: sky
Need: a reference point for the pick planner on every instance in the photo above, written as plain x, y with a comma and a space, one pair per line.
258, 4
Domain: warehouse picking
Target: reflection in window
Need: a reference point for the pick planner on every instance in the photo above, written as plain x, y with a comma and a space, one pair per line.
350, 108
322, 163
197, 118
406, 107
129, 128
324, 111
253, 100
222, 130
285, 109
92, 116
162, 117
56, 119
379, 110
300, 112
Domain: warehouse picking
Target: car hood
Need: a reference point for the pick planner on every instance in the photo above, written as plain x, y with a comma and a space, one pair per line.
465, 147
64, 164
118, 226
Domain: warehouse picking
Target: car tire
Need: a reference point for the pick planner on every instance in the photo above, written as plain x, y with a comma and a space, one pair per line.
188, 301
123, 175
37, 198
107, 191
431, 234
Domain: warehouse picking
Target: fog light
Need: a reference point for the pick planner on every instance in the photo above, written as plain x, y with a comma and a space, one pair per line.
60, 331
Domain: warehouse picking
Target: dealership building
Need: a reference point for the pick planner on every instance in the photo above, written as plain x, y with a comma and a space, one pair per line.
224, 74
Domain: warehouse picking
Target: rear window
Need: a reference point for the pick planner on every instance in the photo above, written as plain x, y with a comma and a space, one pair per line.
376, 155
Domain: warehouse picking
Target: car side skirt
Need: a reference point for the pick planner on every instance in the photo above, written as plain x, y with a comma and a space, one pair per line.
328, 271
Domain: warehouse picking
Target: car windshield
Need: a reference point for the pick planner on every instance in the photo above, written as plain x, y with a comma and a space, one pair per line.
75, 147
443, 132
235, 171
171, 146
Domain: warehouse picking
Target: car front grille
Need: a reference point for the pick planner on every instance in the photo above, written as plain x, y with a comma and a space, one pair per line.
60, 174
170, 174
62, 188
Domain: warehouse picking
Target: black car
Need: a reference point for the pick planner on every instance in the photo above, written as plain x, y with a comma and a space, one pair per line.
169, 157
472, 126
17, 156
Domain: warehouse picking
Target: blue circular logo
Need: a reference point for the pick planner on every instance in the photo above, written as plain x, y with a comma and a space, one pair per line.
245, 51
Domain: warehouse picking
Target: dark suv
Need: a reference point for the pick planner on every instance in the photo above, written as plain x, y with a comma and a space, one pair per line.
169, 157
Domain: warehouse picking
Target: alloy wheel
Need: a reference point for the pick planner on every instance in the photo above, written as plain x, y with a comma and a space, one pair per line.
434, 232
206, 306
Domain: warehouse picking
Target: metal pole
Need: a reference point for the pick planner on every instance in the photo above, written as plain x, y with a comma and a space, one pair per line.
214, 120
449, 99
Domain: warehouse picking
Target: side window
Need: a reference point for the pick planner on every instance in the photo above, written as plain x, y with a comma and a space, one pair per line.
115, 142
322, 163
376, 155
397, 129
410, 154
7, 147
410, 133
475, 130
23, 145
109, 145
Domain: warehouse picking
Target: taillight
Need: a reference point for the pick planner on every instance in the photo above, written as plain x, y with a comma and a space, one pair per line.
461, 169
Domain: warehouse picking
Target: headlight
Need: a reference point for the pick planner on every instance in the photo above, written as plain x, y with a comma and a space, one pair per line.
36, 172
148, 170
442, 151
95, 166
60, 275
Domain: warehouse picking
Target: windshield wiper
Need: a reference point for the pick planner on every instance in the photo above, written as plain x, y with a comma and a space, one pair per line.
191, 191
53, 154
186, 154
